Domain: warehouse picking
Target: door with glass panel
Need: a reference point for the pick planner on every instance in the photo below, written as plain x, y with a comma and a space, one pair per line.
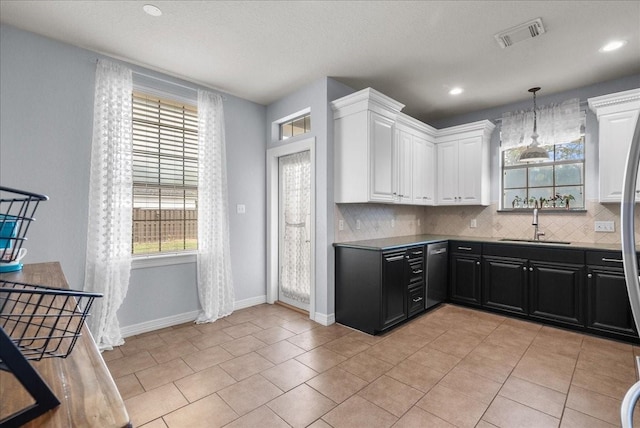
295, 229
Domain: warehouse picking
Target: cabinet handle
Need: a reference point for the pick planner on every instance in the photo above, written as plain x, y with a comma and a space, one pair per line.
589, 276
465, 248
478, 263
417, 300
393, 259
605, 259
530, 269
416, 253
416, 272
524, 268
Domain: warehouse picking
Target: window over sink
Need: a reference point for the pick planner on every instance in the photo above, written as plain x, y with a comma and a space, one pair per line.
557, 183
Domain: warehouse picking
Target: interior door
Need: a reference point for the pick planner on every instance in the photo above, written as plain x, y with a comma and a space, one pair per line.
294, 229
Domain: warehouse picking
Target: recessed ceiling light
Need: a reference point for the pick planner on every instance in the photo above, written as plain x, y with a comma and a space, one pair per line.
456, 91
152, 10
613, 45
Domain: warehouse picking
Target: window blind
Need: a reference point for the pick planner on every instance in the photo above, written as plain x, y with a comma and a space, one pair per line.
165, 174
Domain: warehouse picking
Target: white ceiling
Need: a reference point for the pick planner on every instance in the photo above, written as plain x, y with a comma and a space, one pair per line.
413, 51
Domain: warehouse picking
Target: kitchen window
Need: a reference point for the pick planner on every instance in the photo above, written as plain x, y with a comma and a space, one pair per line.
165, 175
557, 183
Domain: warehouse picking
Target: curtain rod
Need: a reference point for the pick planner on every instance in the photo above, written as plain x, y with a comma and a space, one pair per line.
190, 88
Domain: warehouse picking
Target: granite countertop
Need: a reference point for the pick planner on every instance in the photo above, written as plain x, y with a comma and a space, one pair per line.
403, 241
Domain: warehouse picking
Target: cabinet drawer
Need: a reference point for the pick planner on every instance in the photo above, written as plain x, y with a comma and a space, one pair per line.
612, 259
465, 247
534, 252
416, 272
416, 300
415, 254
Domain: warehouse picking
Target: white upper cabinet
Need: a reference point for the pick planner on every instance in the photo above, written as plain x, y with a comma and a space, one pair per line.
463, 176
404, 166
617, 115
416, 166
448, 172
383, 155
424, 172
364, 147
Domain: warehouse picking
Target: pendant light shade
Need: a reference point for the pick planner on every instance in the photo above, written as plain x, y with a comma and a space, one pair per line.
534, 153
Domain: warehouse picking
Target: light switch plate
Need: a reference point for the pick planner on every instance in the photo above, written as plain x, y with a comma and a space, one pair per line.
241, 209
340, 224
474, 223
605, 226
358, 224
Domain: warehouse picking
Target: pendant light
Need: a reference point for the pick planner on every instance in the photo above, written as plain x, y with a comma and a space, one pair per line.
534, 153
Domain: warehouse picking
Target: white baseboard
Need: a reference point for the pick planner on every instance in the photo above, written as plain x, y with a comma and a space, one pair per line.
157, 324
325, 319
253, 301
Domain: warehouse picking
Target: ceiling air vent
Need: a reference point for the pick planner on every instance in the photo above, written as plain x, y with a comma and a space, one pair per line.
521, 32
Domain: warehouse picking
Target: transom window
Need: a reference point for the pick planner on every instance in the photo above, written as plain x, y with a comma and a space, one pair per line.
165, 175
550, 184
296, 126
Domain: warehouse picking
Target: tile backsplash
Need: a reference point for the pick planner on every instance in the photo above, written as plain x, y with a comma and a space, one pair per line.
376, 222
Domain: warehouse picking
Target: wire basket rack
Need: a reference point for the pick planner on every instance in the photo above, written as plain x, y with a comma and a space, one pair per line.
17, 209
37, 322
43, 322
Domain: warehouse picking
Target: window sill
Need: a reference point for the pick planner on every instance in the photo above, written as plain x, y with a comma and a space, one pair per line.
544, 210
156, 260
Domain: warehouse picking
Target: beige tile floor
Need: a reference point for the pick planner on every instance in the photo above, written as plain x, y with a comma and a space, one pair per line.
268, 366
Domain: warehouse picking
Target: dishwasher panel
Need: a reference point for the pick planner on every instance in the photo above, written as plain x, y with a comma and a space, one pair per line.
436, 278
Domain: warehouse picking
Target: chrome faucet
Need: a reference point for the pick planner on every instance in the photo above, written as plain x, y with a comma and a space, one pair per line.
536, 233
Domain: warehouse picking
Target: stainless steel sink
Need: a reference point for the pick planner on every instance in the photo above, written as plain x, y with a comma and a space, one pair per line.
532, 241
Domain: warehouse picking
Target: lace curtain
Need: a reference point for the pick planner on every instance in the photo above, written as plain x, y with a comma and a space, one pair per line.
215, 284
296, 247
557, 123
108, 258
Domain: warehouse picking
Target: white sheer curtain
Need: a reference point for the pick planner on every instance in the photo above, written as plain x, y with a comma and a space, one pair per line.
296, 247
215, 283
557, 123
108, 258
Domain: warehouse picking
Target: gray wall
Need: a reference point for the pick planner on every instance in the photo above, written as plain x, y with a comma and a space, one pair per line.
316, 96
46, 114
591, 131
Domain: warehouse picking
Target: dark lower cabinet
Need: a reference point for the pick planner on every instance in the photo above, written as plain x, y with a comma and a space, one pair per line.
393, 288
416, 300
543, 284
376, 290
465, 272
574, 288
608, 308
504, 284
556, 292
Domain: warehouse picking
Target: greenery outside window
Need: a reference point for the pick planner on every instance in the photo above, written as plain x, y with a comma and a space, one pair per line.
165, 175
554, 184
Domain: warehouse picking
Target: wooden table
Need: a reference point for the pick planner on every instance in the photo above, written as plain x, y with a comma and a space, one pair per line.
87, 393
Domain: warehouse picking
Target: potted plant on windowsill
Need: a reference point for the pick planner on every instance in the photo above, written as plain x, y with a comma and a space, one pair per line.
516, 202
568, 198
